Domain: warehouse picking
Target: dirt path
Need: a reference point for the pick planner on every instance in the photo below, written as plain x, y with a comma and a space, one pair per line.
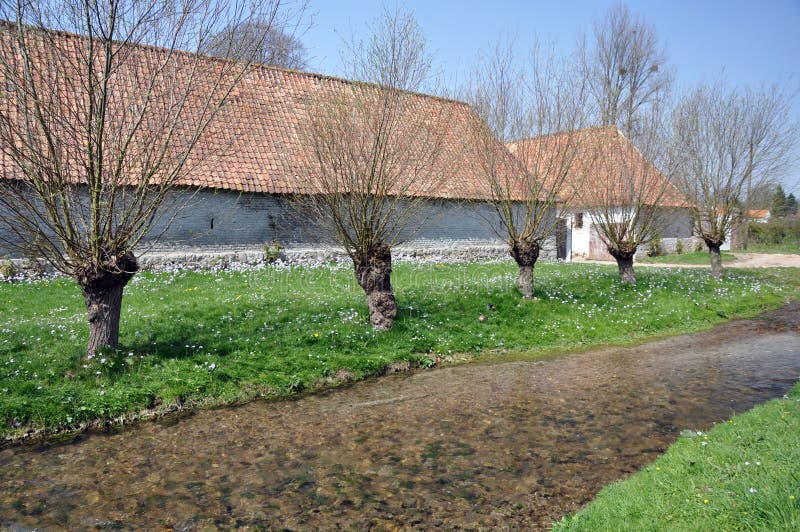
510, 445
743, 260
764, 260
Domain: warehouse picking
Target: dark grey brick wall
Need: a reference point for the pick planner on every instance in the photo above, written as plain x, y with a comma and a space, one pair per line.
226, 219
212, 220
675, 223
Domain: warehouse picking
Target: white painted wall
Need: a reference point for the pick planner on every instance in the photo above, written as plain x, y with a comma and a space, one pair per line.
222, 220
676, 226
578, 243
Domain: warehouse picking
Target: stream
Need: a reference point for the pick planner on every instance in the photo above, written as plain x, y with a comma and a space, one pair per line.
484, 445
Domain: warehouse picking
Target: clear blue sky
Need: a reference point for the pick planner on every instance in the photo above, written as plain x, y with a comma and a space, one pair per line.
751, 42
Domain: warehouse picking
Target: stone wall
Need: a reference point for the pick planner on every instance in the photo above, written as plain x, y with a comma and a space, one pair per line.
210, 227
675, 224
670, 245
211, 218
211, 257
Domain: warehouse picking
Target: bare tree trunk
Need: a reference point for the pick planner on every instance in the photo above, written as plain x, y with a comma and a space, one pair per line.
625, 264
525, 253
102, 290
746, 203
373, 271
716, 259
746, 234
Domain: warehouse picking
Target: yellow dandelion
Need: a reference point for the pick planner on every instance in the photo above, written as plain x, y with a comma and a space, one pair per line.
706, 501
316, 335
791, 497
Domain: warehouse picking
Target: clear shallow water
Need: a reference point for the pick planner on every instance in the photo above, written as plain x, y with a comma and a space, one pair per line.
505, 445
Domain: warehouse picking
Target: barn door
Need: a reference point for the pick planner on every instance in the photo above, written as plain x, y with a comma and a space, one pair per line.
597, 248
561, 239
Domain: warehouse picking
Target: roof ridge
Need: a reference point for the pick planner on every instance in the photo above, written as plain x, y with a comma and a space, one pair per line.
360, 82
564, 132
259, 146
255, 65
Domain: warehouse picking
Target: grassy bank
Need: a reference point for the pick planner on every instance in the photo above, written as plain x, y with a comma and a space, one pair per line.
698, 257
786, 249
740, 475
206, 338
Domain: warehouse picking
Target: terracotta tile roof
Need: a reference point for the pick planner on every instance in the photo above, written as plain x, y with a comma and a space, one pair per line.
256, 144
271, 153
606, 169
759, 214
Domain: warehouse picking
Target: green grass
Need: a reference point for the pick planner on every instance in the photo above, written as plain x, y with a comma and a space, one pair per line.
208, 338
698, 257
786, 249
740, 475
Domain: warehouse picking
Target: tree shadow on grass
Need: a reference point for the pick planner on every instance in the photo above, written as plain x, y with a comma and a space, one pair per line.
166, 340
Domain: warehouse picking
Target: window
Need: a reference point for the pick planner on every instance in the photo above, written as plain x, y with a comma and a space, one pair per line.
578, 220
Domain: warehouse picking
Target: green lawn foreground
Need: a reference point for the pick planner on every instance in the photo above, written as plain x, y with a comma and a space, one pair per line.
741, 475
220, 337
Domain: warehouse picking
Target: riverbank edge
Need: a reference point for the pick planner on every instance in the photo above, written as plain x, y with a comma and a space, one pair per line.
739, 475
66, 434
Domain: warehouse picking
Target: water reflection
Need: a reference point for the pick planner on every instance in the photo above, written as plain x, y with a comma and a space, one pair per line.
513, 444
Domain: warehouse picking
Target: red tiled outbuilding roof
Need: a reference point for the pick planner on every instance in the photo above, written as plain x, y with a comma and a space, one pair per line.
257, 142
606, 169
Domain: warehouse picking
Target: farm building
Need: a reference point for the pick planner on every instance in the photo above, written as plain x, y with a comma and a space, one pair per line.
235, 191
608, 172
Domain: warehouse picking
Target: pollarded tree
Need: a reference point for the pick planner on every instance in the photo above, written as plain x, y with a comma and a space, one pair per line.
98, 125
377, 154
626, 196
625, 68
724, 140
536, 110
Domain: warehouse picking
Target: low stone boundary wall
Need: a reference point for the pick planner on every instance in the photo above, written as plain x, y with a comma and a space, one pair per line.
224, 257
669, 246
221, 258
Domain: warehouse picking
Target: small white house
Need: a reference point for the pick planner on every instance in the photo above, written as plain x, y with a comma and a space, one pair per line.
760, 216
607, 172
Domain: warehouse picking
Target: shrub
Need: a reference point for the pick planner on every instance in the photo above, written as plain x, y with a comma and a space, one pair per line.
776, 231
7, 270
272, 251
654, 248
35, 268
679, 247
